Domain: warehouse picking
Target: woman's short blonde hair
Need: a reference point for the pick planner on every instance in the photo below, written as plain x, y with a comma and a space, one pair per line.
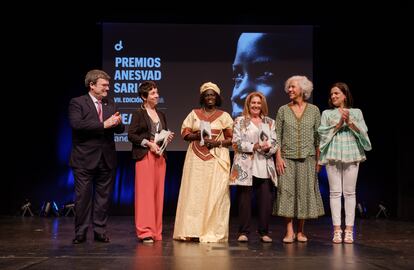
264, 109
304, 83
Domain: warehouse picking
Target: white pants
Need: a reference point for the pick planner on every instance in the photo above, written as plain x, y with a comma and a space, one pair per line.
342, 178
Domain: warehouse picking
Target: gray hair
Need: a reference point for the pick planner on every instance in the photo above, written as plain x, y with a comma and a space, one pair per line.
304, 83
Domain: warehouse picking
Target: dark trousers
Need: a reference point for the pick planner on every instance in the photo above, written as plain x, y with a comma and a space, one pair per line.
264, 192
93, 190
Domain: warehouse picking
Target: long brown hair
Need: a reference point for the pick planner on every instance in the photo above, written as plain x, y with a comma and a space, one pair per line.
264, 109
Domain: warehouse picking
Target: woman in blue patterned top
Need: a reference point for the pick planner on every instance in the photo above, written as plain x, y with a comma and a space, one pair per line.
343, 140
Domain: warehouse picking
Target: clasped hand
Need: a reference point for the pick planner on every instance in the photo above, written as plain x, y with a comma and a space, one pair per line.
344, 115
210, 143
113, 121
262, 148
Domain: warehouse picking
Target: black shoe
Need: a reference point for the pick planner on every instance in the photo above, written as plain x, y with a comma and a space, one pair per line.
101, 238
79, 239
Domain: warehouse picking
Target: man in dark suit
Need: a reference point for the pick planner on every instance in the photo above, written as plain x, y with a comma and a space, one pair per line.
94, 120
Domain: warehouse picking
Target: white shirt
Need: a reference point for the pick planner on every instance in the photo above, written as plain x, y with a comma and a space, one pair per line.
95, 101
259, 161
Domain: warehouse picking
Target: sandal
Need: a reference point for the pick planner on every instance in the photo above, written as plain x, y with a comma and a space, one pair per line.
349, 237
337, 237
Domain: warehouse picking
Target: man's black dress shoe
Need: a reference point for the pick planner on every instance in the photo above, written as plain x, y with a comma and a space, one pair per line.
101, 238
79, 239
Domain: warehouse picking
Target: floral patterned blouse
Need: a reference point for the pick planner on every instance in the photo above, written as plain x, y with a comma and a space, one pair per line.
245, 135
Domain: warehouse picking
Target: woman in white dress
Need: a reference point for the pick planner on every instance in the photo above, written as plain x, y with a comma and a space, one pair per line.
204, 201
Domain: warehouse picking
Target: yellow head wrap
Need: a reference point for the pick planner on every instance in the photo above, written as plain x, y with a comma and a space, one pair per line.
209, 85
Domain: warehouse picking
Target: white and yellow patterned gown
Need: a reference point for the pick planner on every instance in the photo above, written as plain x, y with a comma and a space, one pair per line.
204, 201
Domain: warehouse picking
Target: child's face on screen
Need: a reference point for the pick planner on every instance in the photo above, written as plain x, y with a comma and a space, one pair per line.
252, 69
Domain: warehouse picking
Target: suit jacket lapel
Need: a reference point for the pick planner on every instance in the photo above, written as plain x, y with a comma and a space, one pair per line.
91, 105
147, 119
106, 110
164, 125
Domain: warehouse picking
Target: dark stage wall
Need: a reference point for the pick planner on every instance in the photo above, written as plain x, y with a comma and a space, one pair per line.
365, 51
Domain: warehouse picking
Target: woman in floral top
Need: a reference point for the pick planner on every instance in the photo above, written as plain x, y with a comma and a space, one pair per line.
254, 143
298, 193
344, 139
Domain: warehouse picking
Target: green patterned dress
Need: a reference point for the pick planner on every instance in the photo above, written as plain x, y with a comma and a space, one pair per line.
298, 194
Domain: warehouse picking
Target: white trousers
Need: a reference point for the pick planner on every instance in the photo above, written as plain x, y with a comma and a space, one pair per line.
342, 179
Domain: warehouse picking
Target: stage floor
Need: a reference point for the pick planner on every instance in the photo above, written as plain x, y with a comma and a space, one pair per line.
45, 243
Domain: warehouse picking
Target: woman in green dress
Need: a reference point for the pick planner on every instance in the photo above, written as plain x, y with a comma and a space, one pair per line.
298, 194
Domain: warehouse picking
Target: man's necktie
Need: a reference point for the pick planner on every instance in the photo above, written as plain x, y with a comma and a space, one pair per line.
100, 111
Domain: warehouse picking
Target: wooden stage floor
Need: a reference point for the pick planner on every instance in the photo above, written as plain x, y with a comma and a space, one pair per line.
45, 243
